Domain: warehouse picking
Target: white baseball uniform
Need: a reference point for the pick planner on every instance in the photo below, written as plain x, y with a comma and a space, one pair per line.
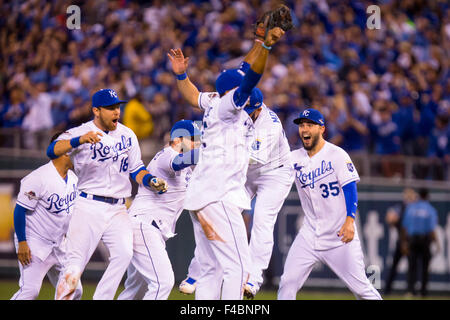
319, 180
103, 170
216, 192
270, 178
154, 217
49, 200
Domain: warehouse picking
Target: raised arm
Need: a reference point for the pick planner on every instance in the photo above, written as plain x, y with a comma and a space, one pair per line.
60, 147
179, 66
257, 67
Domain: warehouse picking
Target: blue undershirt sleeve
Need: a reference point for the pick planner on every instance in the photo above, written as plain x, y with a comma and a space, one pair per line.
19, 222
245, 66
351, 198
244, 91
51, 151
184, 160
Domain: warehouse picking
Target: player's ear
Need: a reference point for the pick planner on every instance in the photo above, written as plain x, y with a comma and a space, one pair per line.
96, 111
322, 129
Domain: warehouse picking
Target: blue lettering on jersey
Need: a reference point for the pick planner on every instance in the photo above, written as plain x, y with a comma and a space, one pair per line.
105, 152
274, 117
311, 177
61, 203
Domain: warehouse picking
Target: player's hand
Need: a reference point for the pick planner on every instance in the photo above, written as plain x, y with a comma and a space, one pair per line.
159, 185
273, 35
179, 62
91, 137
24, 253
347, 231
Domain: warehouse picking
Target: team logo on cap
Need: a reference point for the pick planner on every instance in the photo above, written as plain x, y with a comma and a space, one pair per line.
112, 93
306, 113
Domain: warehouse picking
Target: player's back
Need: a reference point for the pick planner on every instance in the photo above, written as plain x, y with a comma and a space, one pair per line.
270, 149
227, 134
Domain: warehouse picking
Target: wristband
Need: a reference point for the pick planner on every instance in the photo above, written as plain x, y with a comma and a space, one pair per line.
259, 40
266, 47
75, 142
182, 76
146, 179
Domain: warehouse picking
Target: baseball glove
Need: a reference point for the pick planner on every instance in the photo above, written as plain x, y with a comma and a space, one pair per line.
279, 17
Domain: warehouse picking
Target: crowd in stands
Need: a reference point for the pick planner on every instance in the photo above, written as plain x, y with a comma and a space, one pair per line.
383, 91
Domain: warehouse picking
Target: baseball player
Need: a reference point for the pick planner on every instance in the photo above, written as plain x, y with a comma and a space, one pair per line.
41, 217
216, 192
326, 183
269, 176
154, 216
105, 154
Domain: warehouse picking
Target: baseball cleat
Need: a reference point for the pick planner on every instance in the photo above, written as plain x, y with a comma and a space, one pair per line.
250, 290
188, 285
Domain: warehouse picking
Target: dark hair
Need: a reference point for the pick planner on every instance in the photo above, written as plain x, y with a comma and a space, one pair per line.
423, 193
56, 135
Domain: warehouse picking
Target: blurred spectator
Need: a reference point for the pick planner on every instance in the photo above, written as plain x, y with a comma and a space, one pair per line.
419, 224
439, 148
14, 110
137, 117
330, 61
394, 218
37, 123
386, 138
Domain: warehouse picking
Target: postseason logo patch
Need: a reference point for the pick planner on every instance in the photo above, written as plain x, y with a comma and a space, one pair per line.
31, 195
350, 167
256, 145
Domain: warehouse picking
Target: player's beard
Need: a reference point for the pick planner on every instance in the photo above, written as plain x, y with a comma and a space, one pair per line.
314, 140
108, 124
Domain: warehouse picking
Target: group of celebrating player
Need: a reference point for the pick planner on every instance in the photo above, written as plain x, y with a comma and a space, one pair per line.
239, 152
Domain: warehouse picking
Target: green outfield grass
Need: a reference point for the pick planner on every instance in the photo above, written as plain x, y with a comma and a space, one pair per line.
9, 287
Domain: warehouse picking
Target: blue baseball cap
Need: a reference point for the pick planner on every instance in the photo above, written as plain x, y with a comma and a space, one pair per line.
105, 98
228, 80
256, 99
312, 115
184, 128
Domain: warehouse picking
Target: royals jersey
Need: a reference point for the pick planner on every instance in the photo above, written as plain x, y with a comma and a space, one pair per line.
319, 180
220, 174
49, 200
103, 168
164, 208
270, 148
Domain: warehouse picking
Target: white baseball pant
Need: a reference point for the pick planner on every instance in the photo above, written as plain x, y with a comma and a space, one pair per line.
202, 266
32, 275
150, 266
91, 222
346, 261
271, 189
226, 242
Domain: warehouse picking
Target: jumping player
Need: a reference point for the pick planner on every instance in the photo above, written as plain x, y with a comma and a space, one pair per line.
105, 154
150, 275
269, 175
326, 183
41, 217
216, 192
